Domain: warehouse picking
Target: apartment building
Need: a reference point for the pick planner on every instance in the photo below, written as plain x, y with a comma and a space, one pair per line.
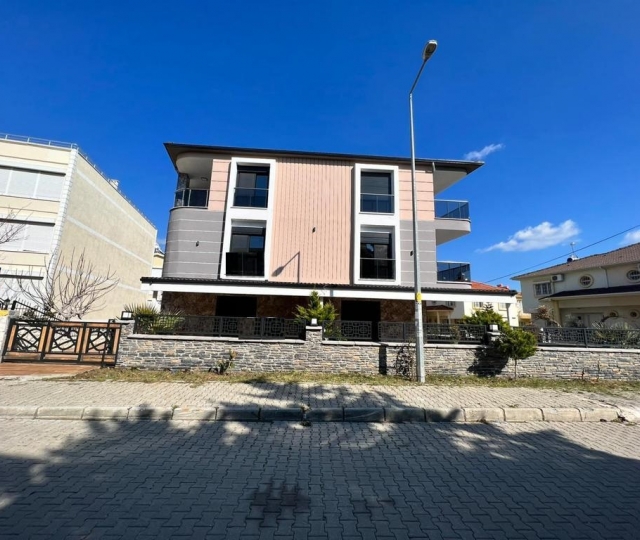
583, 291
65, 204
252, 232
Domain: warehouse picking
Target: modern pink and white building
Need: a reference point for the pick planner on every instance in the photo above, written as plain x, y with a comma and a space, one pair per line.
252, 232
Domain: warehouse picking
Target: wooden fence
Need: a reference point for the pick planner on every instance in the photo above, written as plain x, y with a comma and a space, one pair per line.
57, 341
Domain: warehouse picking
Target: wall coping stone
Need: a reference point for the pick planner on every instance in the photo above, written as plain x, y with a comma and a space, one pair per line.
164, 337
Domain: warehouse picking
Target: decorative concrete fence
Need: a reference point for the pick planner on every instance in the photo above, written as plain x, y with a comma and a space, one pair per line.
315, 355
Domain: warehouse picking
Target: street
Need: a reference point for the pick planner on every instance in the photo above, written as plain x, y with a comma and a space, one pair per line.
145, 479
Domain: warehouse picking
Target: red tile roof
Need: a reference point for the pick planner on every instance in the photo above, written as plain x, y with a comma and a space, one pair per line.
476, 285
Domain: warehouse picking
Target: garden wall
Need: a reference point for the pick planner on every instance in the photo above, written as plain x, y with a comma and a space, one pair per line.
313, 354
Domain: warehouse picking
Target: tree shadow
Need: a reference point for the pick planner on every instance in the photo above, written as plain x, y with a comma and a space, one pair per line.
487, 362
153, 479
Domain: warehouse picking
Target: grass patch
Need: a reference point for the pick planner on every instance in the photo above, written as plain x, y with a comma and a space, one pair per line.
198, 377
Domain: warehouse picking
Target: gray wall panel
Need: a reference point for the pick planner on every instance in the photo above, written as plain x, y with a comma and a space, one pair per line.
427, 244
188, 227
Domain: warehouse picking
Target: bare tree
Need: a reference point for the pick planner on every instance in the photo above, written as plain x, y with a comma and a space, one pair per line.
10, 227
70, 289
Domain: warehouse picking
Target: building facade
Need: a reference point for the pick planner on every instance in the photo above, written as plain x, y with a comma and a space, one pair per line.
584, 291
65, 206
452, 311
253, 232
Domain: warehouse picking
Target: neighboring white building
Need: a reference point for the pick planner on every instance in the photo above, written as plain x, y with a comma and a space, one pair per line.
584, 291
156, 271
66, 206
441, 312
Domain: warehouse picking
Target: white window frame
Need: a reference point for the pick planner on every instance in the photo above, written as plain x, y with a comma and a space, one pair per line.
34, 195
395, 239
535, 290
590, 282
235, 215
374, 222
633, 272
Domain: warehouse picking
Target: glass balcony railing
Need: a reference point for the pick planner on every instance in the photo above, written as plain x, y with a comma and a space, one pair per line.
375, 203
377, 268
251, 197
247, 263
454, 271
452, 210
192, 197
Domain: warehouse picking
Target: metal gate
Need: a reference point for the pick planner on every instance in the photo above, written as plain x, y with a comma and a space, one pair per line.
58, 341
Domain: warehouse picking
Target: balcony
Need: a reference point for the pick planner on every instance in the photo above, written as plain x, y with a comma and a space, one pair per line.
245, 264
454, 271
198, 198
452, 220
377, 268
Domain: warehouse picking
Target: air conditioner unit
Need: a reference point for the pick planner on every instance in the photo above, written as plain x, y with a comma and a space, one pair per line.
557, 277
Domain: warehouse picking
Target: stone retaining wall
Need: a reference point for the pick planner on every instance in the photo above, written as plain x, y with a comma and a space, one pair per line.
203, 353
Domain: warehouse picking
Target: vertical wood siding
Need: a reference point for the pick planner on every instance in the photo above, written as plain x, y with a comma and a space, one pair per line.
312, 193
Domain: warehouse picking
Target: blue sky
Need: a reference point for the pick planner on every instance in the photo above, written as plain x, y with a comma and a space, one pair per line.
553, 85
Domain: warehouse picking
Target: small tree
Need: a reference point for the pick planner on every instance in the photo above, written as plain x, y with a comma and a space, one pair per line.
485, 317
316, 309
516, 344
71, 288
545, 313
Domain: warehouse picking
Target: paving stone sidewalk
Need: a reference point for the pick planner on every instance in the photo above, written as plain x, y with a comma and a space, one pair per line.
275, 395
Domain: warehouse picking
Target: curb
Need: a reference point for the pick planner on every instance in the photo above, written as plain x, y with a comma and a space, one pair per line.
332, 414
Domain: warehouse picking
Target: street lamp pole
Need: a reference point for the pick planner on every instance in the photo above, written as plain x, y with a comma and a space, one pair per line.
426, 54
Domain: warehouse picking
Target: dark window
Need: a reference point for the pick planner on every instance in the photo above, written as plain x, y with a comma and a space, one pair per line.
376, 256
252, 187
376, 192
246, 252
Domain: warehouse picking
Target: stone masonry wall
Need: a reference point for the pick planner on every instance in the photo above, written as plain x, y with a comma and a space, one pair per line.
182, 352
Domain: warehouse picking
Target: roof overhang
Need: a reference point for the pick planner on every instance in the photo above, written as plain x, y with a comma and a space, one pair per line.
447, 173
262, 288
625, 290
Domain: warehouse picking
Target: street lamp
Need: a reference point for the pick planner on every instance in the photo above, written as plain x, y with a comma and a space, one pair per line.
429, 49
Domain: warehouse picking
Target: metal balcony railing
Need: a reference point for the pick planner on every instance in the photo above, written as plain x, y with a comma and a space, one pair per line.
376, 203
241, 327
454, 271
452, 209
192, 197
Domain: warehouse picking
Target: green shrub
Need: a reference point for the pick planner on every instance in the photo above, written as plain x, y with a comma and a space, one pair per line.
486, 317
315, 309
516, 344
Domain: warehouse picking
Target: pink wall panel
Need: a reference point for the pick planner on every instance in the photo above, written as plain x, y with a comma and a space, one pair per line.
310, 194
424, 188
219, 181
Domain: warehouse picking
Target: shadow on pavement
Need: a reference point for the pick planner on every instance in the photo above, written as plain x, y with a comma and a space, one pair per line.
243, 480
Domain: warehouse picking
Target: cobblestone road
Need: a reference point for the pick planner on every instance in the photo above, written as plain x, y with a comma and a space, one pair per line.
80, 393
354, 481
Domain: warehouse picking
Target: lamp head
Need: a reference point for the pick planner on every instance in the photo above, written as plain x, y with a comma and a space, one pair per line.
429, 49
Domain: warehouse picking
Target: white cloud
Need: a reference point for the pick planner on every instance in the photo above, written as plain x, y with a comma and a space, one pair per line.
539, 237
632, 237
479, 155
